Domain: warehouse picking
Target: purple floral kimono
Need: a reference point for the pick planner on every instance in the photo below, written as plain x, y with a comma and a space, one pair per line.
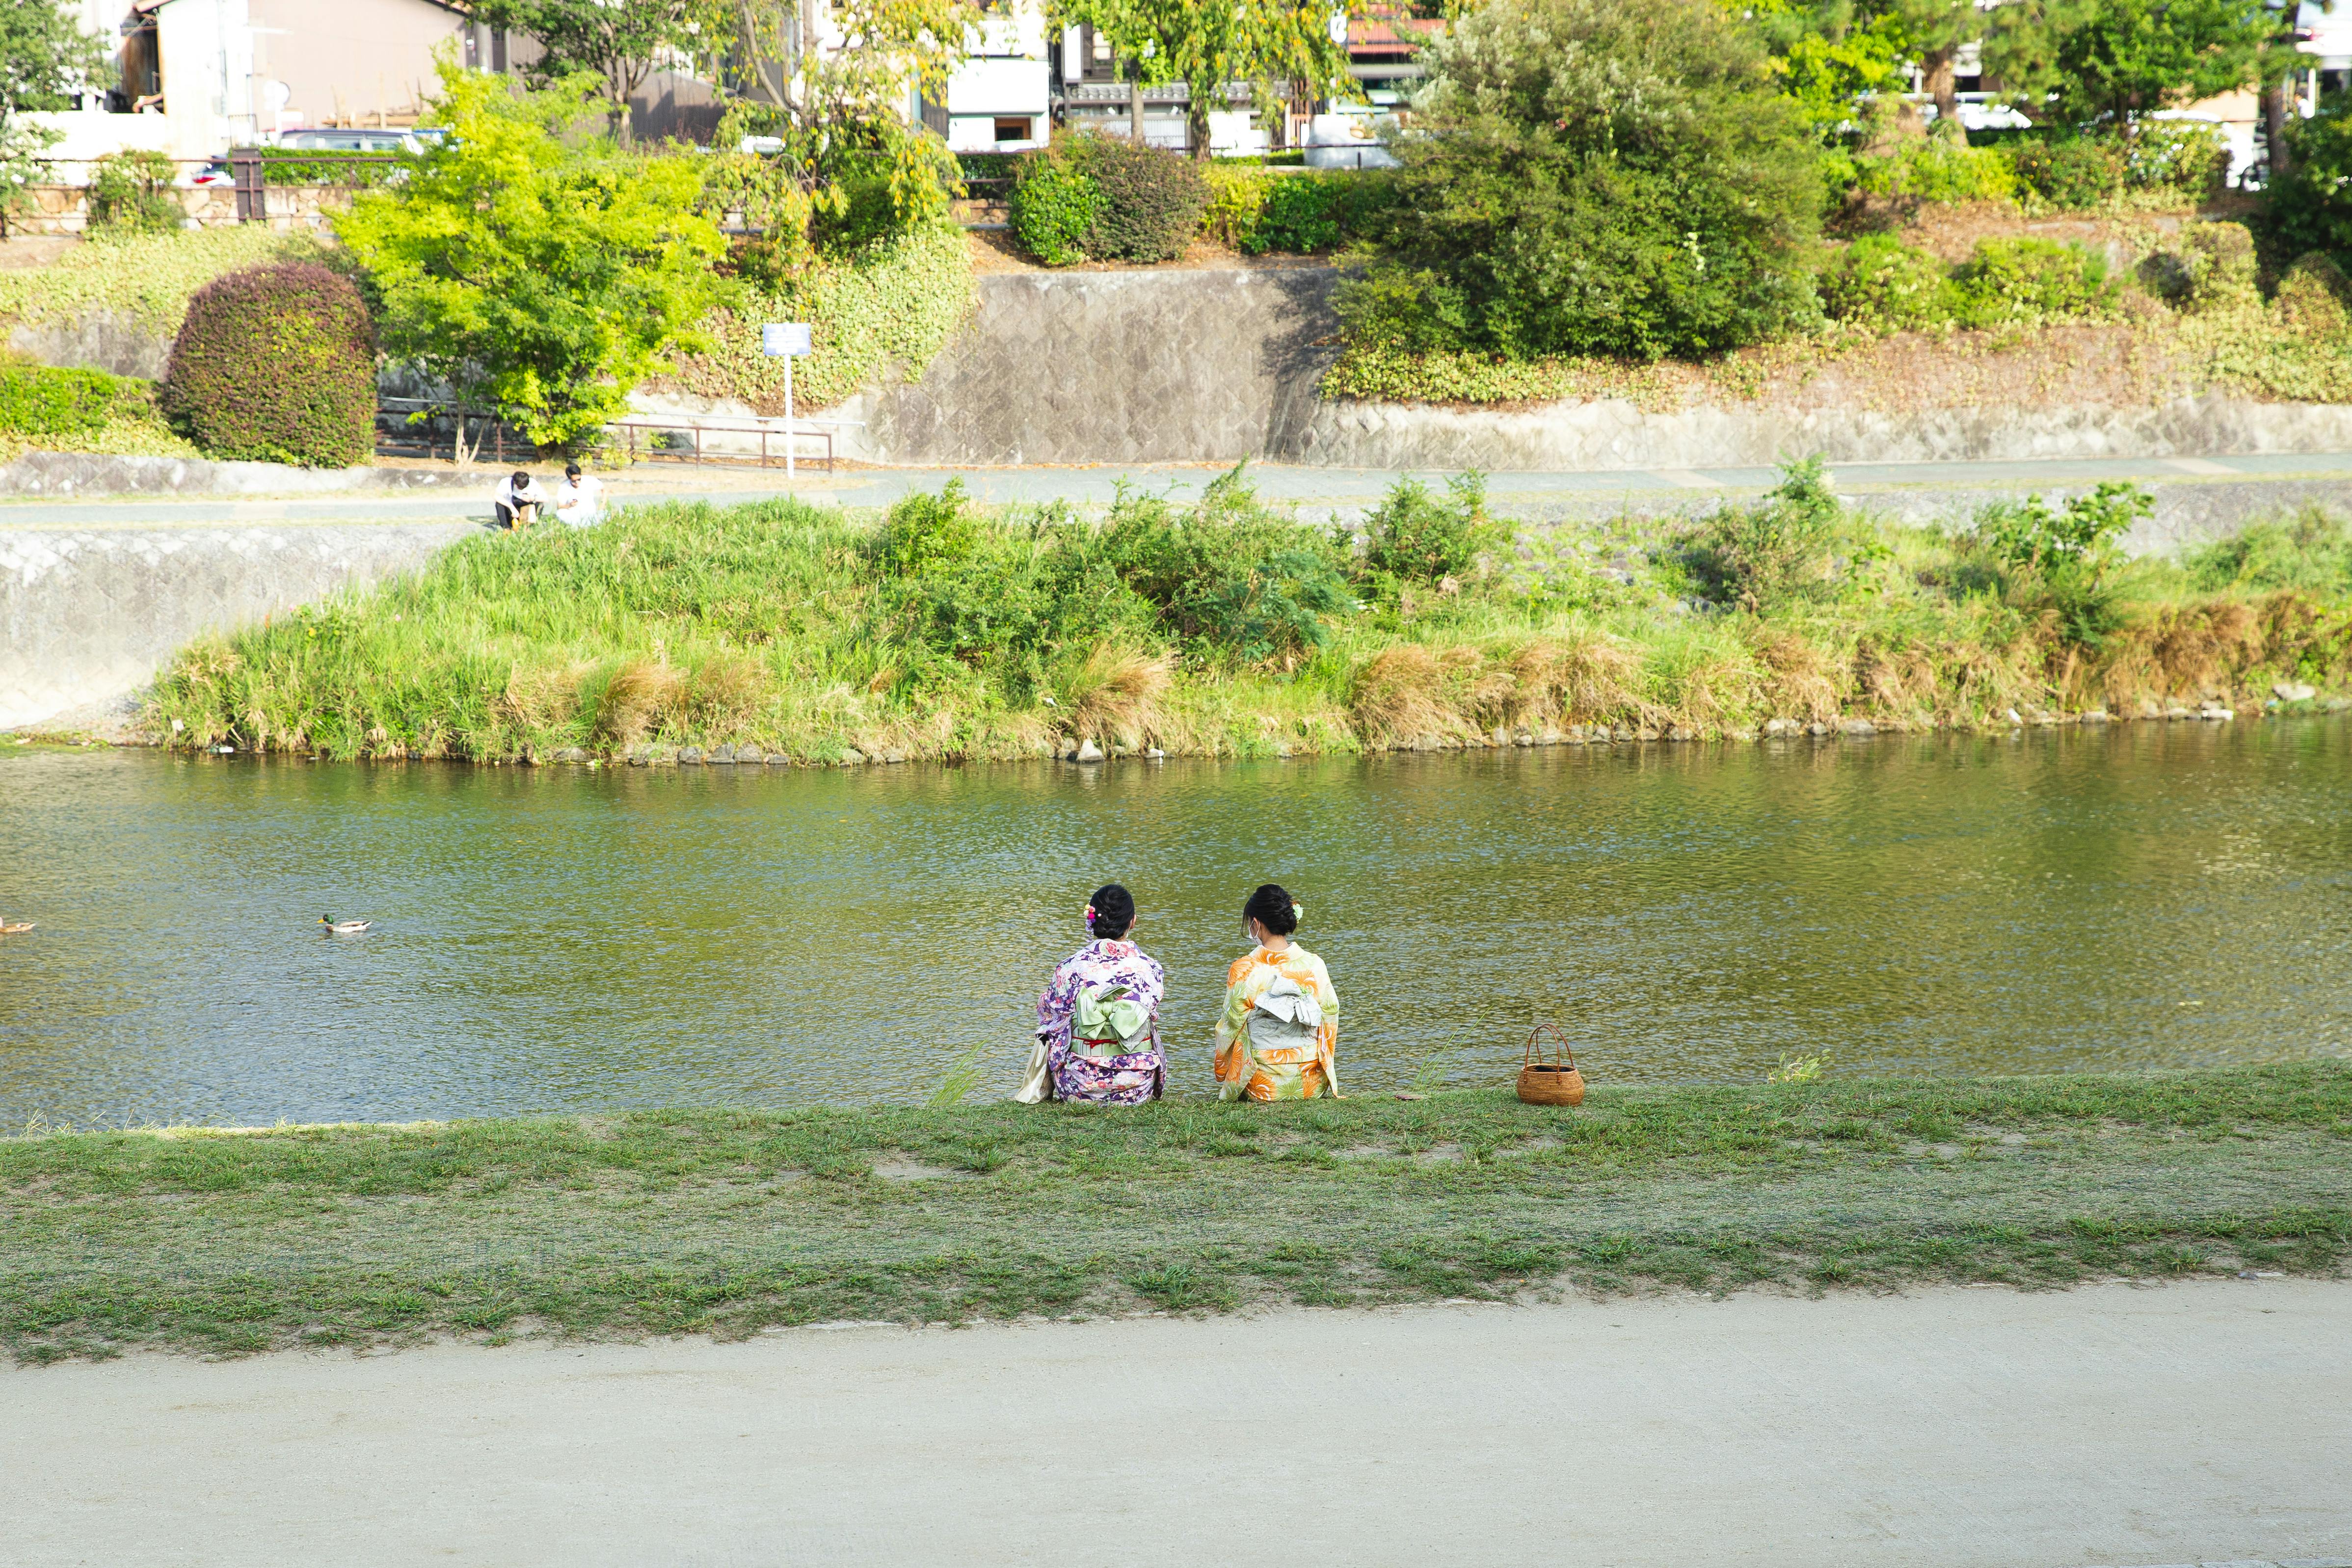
1098, 1027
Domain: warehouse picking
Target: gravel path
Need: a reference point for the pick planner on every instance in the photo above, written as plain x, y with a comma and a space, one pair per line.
2196, 1422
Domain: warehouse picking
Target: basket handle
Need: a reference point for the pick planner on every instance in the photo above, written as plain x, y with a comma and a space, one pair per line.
1560, 1048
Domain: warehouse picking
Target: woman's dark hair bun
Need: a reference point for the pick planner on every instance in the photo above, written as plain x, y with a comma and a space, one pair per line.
1114, 909
1272, 908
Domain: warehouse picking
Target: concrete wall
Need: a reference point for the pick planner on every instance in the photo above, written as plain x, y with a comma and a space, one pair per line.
1177, 364
1111, 367
64, 474
89, 616
1613, 434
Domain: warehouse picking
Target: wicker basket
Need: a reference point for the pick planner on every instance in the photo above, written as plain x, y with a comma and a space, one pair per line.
1550, 1078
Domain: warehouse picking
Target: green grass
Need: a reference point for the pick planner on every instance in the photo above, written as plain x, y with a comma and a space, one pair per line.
788, 627
724, 1222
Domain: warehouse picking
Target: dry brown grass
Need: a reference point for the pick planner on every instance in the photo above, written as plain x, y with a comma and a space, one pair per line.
1114, 698
725, 693
1799, 678
635, 700
1398, 699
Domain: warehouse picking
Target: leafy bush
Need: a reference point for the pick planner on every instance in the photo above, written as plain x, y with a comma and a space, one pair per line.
924, 532
2027, 282
1053, 207
1761, 557
1939, 169
1413, 537
2212, 268
1598, 176
2315, 297
2185, 157
1149, 199
1306, 213
277, 364
2071, 173
2310, 552
2063, 555
1882, 284
36, 399
1237, 194
2310, 205
1091, 196
1231, 579
130, 193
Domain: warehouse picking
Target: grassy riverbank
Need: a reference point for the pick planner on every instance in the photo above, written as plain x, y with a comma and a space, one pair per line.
727, 1222
1227, 628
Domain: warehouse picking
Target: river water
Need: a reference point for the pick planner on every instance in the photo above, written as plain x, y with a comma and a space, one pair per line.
567, 939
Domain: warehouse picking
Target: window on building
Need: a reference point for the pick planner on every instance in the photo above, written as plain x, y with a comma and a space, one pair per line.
1019, 129
1095, 62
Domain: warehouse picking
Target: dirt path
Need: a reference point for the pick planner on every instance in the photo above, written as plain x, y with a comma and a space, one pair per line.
2108, 1425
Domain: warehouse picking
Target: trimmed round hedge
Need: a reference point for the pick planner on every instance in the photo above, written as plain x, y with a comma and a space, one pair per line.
277, 364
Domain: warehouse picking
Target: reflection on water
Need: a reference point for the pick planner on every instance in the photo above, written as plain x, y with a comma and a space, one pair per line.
560, 938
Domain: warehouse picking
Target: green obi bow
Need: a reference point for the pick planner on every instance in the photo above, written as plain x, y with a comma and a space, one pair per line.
1108, 1019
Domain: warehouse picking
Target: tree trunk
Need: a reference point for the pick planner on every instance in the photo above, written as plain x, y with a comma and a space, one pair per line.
2277, 92
1196, 117
1935, 68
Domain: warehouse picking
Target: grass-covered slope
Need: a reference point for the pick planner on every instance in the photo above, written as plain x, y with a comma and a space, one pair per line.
1227, 628
725, 1221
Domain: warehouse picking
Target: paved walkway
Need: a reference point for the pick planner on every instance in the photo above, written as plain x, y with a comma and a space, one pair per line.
1523, 492
1964, 1429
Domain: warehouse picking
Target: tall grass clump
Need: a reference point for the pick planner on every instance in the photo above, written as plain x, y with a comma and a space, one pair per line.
1222, 625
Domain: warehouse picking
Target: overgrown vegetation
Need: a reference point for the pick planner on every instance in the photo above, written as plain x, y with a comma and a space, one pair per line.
887, 309
1226, 627
724, 1222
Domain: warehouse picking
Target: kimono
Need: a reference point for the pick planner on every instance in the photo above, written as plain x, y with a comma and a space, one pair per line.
1098, 1028
1279, 1034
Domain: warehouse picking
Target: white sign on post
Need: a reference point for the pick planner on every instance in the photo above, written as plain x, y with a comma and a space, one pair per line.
786, 340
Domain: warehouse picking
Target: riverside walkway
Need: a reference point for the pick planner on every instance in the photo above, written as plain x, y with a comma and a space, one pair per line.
2203, 1422
2222, 487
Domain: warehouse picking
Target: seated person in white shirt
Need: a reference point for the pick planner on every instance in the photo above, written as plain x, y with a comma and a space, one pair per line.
579, 500
517, 499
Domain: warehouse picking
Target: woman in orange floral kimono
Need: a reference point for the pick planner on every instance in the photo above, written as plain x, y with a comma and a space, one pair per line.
1279, 1034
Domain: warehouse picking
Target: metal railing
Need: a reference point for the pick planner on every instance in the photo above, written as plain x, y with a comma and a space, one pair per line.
698, 450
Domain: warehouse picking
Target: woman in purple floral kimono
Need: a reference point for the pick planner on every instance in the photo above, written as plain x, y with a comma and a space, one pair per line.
1099, 1022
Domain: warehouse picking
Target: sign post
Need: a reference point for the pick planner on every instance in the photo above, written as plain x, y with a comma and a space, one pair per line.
786, 340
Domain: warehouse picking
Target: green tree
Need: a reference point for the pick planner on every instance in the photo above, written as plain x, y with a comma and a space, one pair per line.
1828, 55
1936, 31
617, 42
2310, 205
1596, 176
527, 270
851, 169
2083, 61
44, 59
1261, 42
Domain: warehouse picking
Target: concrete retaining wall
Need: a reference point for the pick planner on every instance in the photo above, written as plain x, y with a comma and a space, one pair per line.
1111, 367
1613, 434
88, 616
69, 474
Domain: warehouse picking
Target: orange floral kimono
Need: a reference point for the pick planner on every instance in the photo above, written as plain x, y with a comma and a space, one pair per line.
1279, 1034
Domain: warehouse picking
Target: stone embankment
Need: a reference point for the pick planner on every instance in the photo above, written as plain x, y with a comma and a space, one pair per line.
88, 616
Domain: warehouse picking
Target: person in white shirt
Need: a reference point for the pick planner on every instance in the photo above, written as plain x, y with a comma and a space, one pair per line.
519, 499
579, 500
